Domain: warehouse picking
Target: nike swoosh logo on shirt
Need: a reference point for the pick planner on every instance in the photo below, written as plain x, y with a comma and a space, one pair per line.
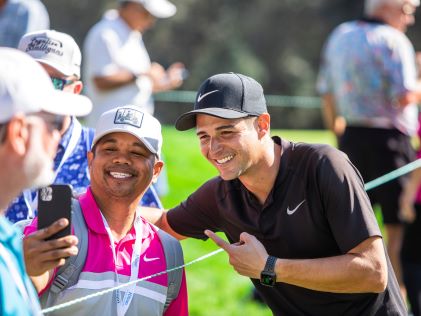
200, 97
149, 259
290, 212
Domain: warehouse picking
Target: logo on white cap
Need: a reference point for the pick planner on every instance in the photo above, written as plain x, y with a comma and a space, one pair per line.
56, 49
129, 116
46, 45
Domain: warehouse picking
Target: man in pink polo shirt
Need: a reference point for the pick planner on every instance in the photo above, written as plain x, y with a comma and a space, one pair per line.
122, 246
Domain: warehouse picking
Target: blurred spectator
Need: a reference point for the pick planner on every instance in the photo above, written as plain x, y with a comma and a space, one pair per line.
60, 56
30, 121
369, 87
118, 69
18, 17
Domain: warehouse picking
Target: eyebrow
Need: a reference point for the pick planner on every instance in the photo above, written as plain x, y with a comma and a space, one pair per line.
112, 140
222, 127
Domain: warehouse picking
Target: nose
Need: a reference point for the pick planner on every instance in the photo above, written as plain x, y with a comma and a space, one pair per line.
214, 145
121, 158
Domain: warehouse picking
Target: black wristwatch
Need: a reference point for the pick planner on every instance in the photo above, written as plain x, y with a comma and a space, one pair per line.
268, 275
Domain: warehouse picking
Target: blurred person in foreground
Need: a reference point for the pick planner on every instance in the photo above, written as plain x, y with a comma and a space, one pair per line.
410, 213
117, 67
296, 216
18, 17
60, 56
368, 81
122, 246
30, 121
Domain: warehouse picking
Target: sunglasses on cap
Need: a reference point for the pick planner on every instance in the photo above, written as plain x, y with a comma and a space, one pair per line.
59, 83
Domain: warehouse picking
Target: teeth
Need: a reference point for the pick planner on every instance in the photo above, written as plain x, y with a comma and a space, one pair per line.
120, 175
224, 160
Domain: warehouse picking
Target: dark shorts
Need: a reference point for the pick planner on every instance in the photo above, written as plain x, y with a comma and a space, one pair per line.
375, 152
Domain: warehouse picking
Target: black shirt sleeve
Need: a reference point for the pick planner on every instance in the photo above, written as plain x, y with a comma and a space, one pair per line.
198, 212
345, 202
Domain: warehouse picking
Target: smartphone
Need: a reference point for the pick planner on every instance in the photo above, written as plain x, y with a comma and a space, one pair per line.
55, 202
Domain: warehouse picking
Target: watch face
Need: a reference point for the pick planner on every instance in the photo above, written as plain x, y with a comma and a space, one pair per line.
268, 278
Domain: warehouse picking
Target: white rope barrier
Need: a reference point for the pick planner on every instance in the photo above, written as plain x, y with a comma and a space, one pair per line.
87, 297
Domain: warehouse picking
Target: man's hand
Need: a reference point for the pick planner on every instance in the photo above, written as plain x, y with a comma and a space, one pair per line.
248, 256
41, 255
164, 80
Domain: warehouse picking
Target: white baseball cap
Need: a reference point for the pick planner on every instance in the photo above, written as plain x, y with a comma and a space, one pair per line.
56, 49
130, 119
25, 87
158, 8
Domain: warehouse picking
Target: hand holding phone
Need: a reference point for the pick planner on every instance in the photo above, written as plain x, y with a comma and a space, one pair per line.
55, 202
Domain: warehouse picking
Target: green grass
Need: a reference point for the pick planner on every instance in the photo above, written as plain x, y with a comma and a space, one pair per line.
214, 287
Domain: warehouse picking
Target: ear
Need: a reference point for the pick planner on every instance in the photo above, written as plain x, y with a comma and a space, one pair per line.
77, 87
90, 157
263, 124
17, 135
157, 169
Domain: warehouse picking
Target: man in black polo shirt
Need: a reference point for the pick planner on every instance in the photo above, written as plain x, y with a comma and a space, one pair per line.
298, 219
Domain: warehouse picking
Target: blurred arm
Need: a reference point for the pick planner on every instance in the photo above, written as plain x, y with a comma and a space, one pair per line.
362, 270
116, 80
331, 119
408, 195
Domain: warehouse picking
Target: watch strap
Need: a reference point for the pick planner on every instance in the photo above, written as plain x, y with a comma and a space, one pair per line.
270, 264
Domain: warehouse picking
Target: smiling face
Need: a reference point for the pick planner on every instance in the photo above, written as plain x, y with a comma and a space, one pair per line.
121, 167
232, 146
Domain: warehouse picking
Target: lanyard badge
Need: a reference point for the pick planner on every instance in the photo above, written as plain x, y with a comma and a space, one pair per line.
123, 303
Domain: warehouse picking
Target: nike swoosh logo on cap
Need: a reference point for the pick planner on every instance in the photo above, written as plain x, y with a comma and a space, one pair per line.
290, 212
200, 97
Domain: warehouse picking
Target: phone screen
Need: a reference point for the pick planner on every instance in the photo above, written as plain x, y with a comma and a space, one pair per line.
55, 202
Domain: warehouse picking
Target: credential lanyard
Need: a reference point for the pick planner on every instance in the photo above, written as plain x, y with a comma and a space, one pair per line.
123, 304
31, 203
36, 310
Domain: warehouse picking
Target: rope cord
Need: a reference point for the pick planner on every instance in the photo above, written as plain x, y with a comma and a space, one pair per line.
393, 175
84, 298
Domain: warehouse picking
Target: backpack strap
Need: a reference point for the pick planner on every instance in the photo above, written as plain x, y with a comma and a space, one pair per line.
174, 258
68, 274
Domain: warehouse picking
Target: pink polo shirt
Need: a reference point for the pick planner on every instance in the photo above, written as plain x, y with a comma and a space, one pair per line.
99, 270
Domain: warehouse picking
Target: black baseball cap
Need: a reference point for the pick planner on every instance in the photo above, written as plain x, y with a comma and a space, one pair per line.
228, 96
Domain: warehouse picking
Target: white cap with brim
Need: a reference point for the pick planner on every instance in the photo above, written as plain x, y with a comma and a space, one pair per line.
132, 120
56, 49
25, 87
158, 8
